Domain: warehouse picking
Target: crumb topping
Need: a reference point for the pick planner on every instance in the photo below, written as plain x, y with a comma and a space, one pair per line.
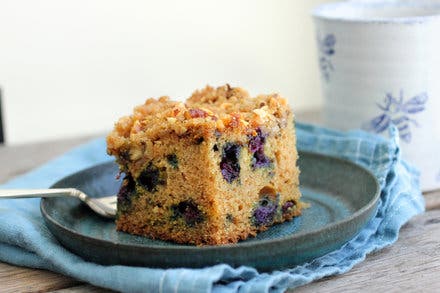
221, 109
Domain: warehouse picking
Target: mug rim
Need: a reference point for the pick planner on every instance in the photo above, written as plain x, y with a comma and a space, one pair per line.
324, 11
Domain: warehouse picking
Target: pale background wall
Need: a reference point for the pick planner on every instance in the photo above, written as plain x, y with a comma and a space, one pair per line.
70, 68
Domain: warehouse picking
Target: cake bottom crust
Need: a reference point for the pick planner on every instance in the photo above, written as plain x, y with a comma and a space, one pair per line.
206, 235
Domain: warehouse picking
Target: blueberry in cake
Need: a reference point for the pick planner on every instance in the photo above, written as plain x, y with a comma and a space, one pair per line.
213, 170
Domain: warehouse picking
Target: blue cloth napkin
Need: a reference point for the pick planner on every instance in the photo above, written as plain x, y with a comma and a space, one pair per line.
25, 240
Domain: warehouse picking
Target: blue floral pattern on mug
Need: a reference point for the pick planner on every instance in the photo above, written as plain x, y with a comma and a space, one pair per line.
326, 47
399, 112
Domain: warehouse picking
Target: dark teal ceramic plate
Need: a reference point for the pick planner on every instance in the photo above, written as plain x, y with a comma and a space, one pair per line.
343, 197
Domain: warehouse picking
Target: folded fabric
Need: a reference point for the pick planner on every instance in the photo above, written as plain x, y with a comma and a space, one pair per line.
25, 240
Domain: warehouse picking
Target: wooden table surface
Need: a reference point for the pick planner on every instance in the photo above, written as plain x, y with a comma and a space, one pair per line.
412, 264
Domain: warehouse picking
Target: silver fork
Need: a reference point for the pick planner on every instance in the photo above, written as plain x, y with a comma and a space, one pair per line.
104, 206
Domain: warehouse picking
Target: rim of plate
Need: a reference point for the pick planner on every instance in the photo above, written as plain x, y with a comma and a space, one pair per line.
351, 11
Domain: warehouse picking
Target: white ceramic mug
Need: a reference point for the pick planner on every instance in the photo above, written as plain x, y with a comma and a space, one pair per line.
380, 65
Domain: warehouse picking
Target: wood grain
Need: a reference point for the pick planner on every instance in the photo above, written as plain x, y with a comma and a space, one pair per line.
432, 200
23, 158
19, 279
411, 264
83, 289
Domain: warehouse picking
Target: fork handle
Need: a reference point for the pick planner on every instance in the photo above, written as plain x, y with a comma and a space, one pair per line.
28, 193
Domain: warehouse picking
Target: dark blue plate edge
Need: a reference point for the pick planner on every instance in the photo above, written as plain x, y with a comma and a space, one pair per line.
363, 215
